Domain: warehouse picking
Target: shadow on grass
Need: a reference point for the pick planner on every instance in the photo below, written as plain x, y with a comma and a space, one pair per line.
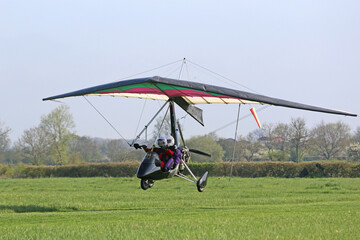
115, 209
28, 208
34, 208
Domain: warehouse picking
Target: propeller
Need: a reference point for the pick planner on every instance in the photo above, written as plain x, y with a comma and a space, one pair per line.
191, 150
199, 152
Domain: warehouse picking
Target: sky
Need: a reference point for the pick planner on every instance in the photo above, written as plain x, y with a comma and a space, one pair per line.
302, 51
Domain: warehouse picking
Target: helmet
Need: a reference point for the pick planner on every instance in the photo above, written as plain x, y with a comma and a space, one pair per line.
161, 142
170, 141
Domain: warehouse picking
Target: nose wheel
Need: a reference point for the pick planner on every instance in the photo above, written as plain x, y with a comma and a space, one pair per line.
146, 183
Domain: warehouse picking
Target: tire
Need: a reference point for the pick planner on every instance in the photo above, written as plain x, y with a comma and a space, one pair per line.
151, 183
145, 184
201, 183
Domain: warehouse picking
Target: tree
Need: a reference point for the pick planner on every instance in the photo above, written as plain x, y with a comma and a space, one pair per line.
117, 150
206, 144
34, 145
353, 152
59, 125
228, 146
4, 141
114, 151
299, 136
268, 139
162, 127
330, 139
85, 149
282, 133
4, 137
281, 140
252, 147
356, 136
248, 148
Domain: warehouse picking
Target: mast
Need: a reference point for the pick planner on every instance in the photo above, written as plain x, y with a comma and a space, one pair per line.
174, 128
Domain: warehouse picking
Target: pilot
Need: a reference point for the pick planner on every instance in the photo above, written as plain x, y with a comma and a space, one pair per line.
162, 150
175, 159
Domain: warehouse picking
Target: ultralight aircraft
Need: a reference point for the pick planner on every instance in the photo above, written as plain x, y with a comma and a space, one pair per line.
184, 94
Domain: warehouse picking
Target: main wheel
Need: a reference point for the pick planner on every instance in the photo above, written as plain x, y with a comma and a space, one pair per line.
200, 189
145, 184
151, 183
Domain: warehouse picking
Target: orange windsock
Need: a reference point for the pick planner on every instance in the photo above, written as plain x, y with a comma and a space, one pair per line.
252, 110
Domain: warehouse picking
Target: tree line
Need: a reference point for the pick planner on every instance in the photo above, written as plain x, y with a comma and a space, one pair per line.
54, 142
295, 142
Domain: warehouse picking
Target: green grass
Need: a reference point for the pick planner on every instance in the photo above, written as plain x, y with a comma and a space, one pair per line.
116, 208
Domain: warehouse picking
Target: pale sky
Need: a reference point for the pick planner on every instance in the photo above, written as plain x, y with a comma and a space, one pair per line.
302, 51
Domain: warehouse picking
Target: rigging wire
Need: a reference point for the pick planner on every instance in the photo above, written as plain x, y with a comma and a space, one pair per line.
162, 122
218, 76
172, 72
162, 66
197, 68
246, 116
187, 71
181, 69
106, 120
142, 111
222, 76
153, 69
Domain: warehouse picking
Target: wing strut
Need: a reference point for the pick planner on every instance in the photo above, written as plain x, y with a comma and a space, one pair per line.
235, 141
147, 125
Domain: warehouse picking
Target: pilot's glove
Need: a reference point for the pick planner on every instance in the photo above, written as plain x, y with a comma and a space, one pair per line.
136, 146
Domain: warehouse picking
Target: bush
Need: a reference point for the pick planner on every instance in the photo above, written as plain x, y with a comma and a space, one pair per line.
278, 169
239, 169
124, 169
3, 169
16, 171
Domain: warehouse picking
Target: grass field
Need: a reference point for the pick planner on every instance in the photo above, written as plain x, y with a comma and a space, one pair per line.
116, 208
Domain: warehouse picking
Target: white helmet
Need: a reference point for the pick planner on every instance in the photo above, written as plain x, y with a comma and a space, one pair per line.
170, 141
161, 142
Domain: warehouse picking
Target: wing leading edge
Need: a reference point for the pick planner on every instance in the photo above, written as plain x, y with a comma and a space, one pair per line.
158, 88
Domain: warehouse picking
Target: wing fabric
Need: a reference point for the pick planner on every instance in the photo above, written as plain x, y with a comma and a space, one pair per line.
158, 88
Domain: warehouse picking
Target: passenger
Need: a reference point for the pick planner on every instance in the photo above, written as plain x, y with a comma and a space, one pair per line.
175, 159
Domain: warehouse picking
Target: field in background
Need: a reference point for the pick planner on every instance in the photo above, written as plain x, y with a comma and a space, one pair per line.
116, 208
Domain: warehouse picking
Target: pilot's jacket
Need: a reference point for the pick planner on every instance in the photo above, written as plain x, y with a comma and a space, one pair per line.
164, 154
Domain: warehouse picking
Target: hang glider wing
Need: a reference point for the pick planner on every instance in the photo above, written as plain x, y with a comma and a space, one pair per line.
186, 94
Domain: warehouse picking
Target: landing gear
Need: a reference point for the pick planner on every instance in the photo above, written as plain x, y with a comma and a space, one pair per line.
200, 189
146, 183
201, 183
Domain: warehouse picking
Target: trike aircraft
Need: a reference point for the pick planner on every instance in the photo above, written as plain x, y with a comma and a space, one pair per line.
186, 95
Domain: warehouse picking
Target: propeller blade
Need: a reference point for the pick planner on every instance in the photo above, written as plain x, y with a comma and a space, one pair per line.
191, 150
199, 152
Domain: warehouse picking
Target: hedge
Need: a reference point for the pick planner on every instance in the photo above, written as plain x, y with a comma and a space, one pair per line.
279, 169
127, 169
247, 169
